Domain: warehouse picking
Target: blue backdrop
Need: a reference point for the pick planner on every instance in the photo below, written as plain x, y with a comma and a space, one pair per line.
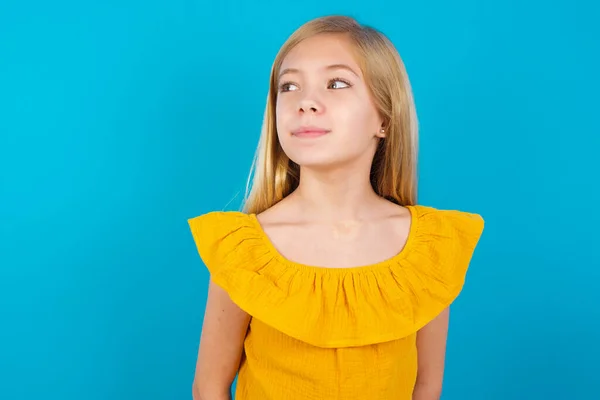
119, 120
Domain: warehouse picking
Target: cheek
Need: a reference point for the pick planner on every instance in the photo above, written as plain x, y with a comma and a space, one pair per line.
283, 120
283, 112
355, 117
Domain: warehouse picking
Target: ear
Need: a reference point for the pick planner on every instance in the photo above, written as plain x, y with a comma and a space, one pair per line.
381, 132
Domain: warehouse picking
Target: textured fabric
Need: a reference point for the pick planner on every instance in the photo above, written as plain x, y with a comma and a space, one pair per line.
331, 333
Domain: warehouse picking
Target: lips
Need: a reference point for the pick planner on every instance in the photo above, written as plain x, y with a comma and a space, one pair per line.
310, 131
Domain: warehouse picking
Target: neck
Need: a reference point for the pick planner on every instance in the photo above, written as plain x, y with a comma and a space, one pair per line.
334, 195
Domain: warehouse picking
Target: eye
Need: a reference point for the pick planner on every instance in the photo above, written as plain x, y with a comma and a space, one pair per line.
288, 87
338, 83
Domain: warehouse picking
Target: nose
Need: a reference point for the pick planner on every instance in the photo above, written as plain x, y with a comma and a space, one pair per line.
310, 105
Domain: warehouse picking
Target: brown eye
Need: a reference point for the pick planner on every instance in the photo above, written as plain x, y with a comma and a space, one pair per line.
338, 84
287, 87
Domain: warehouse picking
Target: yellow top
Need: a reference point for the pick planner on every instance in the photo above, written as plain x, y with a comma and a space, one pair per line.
327, 333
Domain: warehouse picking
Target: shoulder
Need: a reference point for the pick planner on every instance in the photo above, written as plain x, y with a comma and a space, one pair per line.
428, 227
447, 214
215, 223
217, 217
448, 225
442, 244
218, 233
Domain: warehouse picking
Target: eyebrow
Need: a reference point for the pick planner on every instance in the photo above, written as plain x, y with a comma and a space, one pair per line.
329, 68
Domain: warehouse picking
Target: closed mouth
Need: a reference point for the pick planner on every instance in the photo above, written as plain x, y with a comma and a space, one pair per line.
310, 132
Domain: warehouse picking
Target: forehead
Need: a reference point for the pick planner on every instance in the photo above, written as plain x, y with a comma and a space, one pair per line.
321, 50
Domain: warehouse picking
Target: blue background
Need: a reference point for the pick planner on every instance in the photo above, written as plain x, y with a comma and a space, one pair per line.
119, 120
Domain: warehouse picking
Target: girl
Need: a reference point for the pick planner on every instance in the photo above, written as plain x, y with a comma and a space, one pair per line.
332, 283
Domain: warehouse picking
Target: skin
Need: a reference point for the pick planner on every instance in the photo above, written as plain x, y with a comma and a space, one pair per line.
334, 219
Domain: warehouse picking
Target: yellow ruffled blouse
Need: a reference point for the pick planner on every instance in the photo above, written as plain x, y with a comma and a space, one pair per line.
327, 333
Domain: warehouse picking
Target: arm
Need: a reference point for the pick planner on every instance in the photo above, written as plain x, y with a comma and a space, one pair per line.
221, 343
431, 350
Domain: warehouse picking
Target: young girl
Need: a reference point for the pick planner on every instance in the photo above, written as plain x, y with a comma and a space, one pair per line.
332, 283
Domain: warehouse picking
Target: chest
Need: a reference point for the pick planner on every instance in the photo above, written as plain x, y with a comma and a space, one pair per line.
344, 245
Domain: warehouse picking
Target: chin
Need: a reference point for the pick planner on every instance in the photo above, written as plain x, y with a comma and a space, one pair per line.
313, 161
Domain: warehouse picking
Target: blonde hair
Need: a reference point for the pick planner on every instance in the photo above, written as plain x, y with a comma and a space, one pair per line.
394, 167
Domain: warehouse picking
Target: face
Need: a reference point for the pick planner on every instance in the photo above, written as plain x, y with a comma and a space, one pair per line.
325, 114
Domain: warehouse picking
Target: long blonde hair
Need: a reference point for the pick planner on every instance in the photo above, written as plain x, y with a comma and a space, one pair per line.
394, 167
